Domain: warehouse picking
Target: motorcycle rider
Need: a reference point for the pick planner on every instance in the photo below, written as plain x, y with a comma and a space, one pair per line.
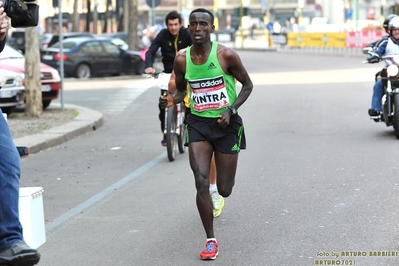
377, 43
385, 25
389, 46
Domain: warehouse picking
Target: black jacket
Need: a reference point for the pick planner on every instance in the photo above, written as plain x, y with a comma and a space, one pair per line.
2, 44
169, 47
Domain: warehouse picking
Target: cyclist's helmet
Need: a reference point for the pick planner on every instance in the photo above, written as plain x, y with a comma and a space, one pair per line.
388, 19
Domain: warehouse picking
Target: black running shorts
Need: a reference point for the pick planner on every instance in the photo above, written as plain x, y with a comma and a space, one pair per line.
230, 139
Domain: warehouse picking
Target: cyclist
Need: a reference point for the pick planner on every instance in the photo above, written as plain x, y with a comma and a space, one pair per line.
169, 40
217, 199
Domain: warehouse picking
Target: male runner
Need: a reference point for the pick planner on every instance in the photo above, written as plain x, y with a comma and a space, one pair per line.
213, 124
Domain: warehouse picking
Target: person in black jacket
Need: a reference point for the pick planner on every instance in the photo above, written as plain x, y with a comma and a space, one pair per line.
172, 39
13, 249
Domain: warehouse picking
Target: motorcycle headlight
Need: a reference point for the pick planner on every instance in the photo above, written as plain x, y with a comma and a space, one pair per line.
392, 70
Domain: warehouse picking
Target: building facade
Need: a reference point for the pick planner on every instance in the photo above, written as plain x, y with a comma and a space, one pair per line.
261, 11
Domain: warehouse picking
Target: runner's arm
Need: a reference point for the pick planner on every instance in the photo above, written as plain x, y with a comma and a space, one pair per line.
179, 68
237, 69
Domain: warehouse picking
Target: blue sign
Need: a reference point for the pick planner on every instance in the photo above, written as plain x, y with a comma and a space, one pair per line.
263, 4
348, 13
269, 26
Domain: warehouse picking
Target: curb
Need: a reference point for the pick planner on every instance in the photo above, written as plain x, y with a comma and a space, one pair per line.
86, 121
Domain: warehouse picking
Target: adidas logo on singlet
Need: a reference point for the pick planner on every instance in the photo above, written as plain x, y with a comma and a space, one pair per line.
211, 66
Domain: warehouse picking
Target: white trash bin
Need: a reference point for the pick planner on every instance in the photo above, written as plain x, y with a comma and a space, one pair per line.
31, 215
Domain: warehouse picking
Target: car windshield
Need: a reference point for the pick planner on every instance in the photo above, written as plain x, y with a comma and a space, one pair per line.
65, 45
118, 41
43, 38
10, 52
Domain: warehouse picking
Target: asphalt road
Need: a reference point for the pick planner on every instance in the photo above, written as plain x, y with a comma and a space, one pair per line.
318, 180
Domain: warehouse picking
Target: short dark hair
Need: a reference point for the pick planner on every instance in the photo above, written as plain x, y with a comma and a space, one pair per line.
203, 10
172, 16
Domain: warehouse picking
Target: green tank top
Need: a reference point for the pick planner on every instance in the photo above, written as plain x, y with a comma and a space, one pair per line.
211, 90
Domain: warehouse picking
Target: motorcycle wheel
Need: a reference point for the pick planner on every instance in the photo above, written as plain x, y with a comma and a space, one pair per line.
396, 114
171, 136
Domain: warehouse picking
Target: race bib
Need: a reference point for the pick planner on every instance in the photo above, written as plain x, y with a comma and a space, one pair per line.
209, 94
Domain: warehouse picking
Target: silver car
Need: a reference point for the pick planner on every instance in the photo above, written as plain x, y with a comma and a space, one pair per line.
12, 90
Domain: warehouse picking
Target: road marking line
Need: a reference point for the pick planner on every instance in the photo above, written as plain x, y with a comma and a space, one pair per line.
96, 198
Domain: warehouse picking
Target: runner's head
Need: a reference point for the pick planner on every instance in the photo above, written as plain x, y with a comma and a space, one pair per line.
201, 25
203, 10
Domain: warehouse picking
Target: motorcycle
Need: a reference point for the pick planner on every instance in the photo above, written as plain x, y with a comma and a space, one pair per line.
389, 76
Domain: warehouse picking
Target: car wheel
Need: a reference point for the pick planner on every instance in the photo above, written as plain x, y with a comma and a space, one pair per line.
46, 103
83, 71
8, 110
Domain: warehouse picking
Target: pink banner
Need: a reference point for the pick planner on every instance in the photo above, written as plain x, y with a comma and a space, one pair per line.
363, 38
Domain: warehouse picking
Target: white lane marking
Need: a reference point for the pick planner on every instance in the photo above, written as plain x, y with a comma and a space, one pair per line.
105, 193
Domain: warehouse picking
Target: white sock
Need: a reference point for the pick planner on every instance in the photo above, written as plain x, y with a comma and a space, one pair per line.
213, 188
208, 239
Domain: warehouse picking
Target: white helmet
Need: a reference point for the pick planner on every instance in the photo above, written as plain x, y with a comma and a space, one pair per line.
394, 23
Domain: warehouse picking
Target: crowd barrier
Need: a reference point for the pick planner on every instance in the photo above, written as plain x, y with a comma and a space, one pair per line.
327, 39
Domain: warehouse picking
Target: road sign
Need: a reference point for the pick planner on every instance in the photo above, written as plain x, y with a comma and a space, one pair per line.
263, 4
153, 2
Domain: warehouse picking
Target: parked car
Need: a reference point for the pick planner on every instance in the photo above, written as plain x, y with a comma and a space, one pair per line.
12, 90
120, 35
56, 38
17, 40
44, 40
13, 60
86, 57
120, 43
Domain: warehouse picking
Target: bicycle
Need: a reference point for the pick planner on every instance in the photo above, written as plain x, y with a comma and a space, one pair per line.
175, 130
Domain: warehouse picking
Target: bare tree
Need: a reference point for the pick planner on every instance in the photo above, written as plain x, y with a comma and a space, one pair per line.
33, 92
107, 15
119, 15
88, 16
133, 39
75, 17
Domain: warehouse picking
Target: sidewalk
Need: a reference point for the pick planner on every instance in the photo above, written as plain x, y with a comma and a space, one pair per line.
87, 120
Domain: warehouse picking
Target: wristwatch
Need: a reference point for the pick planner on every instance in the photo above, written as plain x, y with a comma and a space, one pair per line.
232, 110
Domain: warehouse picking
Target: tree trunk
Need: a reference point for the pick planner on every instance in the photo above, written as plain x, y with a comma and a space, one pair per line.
75, 17
107, 16
88, 16
132, 25
33, 92
122, 10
